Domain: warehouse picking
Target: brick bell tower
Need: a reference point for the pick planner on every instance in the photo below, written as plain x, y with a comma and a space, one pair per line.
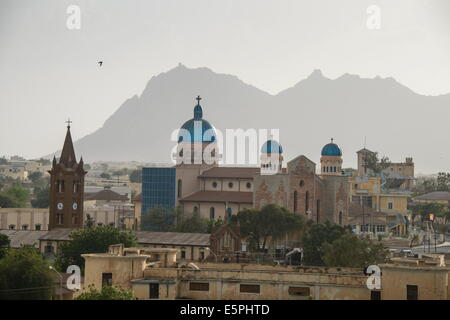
66, 188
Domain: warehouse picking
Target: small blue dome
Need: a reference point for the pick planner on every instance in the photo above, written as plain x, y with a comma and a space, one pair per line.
331, 149
271, 146
199, 129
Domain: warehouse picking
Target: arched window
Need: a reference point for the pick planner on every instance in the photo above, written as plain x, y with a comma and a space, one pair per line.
180, 186
214, 184
318, 211
212, 213
249, 185
307, 202
340, 218
302, 183
195, 209
229, 213
295, 201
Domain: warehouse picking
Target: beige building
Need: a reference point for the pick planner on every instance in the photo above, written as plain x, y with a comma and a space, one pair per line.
14, 172
156, 274
121, 216
423, 278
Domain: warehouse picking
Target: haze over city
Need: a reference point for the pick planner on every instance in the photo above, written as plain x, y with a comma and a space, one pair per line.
269, 45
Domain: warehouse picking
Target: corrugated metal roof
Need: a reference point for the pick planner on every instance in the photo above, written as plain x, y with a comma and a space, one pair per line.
57, 234
231, 172
23, 237
173, 238
435, 195
219, 196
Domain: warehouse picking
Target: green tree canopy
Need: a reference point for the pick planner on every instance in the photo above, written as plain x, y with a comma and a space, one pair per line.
91, 240
105, 175
193, 224
14, 197
4, 244
314, 239
271, 221
136, 176
424, 209
159, 219
443, 181
24, 274
107, 293
42, 198
350, 251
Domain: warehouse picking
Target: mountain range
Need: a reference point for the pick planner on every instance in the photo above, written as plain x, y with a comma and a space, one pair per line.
394, 120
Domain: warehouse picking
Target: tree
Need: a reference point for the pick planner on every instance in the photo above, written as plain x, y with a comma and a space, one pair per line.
6, 201
42, 198
373, 162
4, 244
90, 222
107, 293
443, 181
3, 161
424, 209
159, 219
17, 197
350, 251
314, 239
24, 274
136, 176
271, 221
35, 176
105, 175
192, 224
91, 240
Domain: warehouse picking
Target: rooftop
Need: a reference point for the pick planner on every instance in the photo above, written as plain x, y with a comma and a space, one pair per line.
173, 238
23, 237
435, 195
231, 172
220, 196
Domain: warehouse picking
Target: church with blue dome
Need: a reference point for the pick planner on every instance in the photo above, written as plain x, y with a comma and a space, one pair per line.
197, 184
197, 129
331, 159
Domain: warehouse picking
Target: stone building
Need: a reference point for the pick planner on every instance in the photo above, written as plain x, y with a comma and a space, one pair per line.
318, 197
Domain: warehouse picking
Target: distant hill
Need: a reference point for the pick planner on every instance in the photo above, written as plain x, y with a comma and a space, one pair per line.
396, 121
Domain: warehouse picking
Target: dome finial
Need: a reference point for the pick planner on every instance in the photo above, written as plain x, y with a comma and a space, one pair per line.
198, 112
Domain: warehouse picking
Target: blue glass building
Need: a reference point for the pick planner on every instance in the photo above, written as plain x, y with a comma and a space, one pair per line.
158, 188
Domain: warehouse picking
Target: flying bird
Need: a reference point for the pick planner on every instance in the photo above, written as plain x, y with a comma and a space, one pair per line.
100, 63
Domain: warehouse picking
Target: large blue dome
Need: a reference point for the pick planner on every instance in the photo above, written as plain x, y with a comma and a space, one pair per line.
199, 129
271, 146
331, 149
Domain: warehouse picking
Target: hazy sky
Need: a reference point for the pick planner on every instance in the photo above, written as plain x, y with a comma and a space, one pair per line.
48, 72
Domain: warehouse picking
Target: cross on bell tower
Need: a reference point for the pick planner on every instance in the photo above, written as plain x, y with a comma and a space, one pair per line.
198, 100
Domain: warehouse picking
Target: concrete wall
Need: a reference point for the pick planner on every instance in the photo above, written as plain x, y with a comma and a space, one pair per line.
225, 282
432, 282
